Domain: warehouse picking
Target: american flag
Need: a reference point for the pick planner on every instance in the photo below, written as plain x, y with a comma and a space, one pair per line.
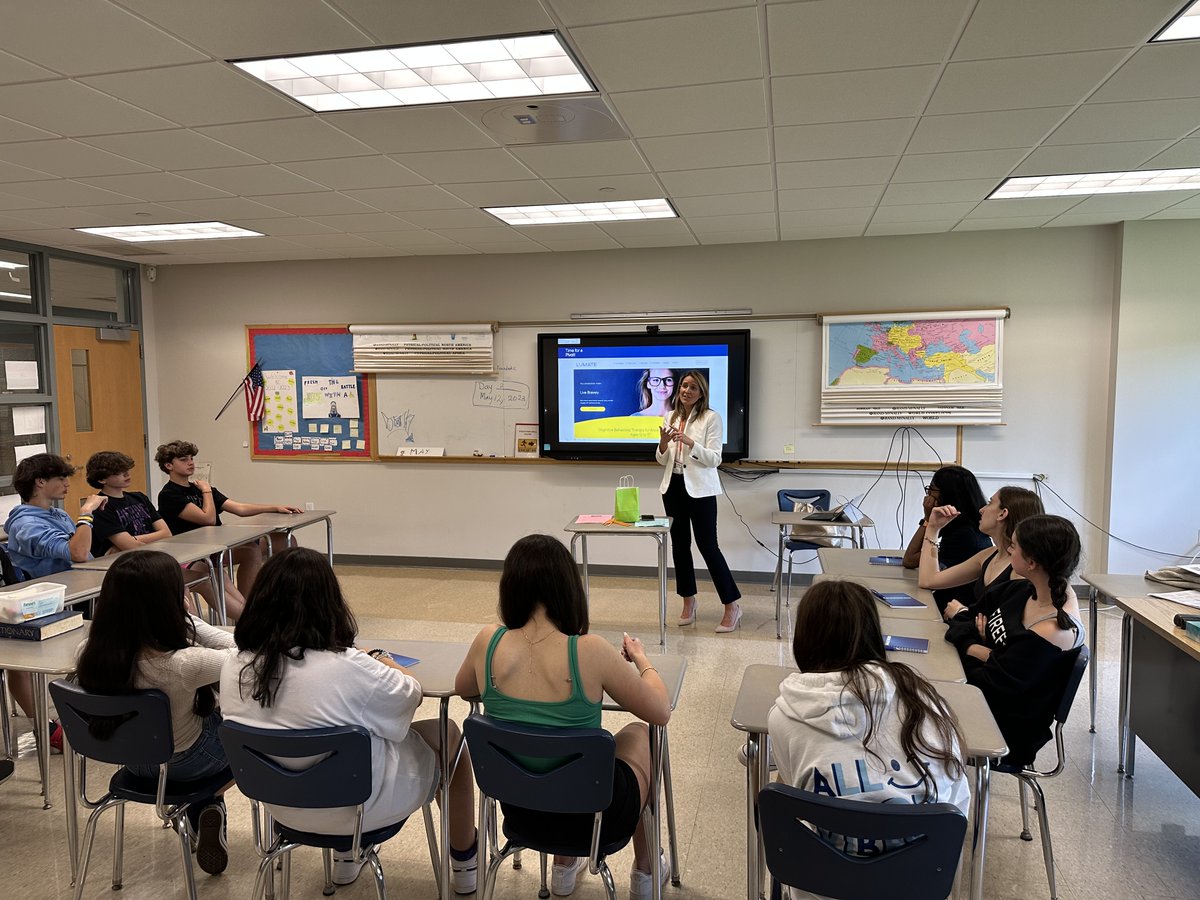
255, 393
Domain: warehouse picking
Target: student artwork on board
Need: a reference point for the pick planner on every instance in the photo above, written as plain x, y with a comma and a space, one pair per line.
330, 397
279, 402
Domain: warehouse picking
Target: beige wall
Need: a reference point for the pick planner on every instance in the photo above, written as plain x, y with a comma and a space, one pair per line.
1058, 282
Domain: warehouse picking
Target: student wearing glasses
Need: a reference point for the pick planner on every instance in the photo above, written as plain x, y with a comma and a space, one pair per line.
960, 539
656, 392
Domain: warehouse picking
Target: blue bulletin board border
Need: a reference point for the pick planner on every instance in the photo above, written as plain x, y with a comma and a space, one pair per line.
312, 351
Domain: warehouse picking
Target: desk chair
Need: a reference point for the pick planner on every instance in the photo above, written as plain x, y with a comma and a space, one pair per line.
582, 784
142, 736
342, 778
922, 869
1028, 775
787, 503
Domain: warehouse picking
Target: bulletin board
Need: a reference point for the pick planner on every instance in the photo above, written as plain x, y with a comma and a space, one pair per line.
315, 406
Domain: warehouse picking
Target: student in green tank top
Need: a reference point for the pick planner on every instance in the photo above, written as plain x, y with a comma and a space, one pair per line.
541, 667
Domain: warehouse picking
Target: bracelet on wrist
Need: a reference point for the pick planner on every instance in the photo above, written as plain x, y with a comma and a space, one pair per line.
642, 672
936, 543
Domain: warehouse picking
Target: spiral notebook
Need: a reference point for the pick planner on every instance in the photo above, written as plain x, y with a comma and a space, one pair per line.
899, 600
905, 644
401, 660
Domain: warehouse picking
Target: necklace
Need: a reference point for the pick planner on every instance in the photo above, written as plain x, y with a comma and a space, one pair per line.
532, 644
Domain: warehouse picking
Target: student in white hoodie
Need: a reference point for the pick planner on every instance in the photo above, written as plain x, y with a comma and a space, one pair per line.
853, 724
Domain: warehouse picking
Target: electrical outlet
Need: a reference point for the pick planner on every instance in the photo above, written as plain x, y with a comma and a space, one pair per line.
309, 505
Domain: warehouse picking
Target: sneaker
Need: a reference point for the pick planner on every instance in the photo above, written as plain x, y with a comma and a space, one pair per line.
463, 873
641, 885
56, 737
212, 854
346, 868
562, 878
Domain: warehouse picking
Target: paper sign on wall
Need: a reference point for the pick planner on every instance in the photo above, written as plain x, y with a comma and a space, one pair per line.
29, 420
28, 451
22, 375
330, 397
279, 406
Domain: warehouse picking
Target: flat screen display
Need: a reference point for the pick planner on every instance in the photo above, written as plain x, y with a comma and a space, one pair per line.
603, 395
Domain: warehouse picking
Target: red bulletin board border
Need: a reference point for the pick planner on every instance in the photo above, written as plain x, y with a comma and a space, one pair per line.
317, 347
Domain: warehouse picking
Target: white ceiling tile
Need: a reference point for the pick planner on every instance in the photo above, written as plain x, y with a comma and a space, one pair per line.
744, 222
587, 190
667, 228
1155, 72
1003, 28
253, 180
280, 227
526, 246
228, 29
1183, 155
93, 37
109, 214
757, 236
14, 69
225, 209
399, 199
9, 172
15, 201
658, 240
450, 248
72, 109
177, 149
938, 191
1068, 158
830, 197
599, 241
851, 96
356, 173
458, 166
414, 23
984, 130
410, 239
680, 50
444, 219
65, 192
415, 130
571, 160
506, 193
363, 223
69, 159
1177, 212
206, 94
325, 203
1137, 205
1070, 221
728, 180
698, 108
820, 173
825, 218
922, 212
11, 130
288, 140
836, 35
881, 137
330, 241
726, 204
963, 164
879, 229
589, 12
1022, 207
973, 224
1058, 80
1144, 120
819, 232
156, 186
703, 151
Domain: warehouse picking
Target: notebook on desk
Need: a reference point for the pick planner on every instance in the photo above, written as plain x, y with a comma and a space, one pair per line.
898, 600
905, 644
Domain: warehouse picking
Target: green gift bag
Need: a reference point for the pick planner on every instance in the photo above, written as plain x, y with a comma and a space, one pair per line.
627, 508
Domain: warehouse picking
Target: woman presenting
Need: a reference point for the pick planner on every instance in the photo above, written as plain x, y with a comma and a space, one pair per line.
689, 446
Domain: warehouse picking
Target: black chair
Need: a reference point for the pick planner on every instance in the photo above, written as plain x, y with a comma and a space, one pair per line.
341, 778
581, 784
922, 867
819, 499
141, 736
1029, 776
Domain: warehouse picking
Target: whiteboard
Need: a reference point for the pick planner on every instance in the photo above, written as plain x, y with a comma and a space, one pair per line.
469, 415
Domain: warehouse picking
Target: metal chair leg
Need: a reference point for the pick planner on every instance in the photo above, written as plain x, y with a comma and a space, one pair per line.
285, 876
1025, 834
89, 837
669, 794
543, 891
377, 871
327, 862
118, 846
431, 839
606, 876
517, 860
1047, 847
181, 828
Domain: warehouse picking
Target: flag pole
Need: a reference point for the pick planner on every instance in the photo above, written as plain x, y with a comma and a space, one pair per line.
241, 384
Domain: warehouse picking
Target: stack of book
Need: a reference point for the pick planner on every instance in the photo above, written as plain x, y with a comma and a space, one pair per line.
43, 627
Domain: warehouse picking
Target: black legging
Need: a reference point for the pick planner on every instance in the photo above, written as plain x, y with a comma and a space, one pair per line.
699, 515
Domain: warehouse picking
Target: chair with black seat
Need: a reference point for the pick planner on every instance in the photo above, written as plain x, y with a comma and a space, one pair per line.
140, 723
1029, 776
341, 777
789, 500
921, 866
581, 783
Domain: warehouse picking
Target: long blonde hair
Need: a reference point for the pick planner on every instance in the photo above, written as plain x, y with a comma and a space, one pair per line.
701, 405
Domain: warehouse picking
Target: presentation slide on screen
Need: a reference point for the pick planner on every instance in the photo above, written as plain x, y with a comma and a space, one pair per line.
621, 393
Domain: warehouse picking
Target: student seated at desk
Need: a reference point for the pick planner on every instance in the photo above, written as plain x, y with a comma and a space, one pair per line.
298, 668
129, 520
186, 504
852, 723
988, 569
960, 538
541, 667
42, 539
1019, 645
143, 637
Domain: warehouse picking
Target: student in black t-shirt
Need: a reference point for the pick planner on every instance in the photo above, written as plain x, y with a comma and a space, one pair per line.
187, 503
129, 520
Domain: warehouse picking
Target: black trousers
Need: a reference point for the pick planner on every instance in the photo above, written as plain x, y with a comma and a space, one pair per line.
696, 515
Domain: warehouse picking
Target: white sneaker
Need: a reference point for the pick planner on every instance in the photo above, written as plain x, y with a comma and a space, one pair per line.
641, 884
562, 878
463, 874
346, 868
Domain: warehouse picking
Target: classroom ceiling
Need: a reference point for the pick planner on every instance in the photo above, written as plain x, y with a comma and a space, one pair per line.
760, 121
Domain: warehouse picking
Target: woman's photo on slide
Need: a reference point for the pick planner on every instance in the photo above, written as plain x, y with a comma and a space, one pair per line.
656, 392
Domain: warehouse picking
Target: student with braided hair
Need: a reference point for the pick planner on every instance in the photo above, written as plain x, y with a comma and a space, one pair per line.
1021, 644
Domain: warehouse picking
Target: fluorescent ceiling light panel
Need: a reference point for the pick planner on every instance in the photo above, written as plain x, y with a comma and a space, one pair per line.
1184, 27
668, 314
13, 265
529, 65
10, 294
1098, 183
573, 213
183, 231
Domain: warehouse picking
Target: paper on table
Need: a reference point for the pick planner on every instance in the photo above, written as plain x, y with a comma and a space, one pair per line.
1184, 598
28, 451
21, 375
29, 420
592, 519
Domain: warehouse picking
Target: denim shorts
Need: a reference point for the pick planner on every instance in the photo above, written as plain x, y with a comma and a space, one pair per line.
205, 757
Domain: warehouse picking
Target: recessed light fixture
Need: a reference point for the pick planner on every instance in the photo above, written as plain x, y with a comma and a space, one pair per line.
524, 65
1098, 183
181, 231
1184, 27
572, 213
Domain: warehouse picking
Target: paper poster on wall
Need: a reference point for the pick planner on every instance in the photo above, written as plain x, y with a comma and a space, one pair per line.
279, 407
29, 420
332, 397
28, 451
21, 375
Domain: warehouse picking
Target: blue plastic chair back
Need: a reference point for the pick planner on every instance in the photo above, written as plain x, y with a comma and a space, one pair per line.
140, 723
815, 496
582, 782
922, 869
341, 777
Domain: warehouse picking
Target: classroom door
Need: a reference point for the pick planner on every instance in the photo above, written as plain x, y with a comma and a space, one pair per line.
99, 402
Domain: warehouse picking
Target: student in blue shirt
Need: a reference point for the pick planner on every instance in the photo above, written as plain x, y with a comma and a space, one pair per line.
43, 539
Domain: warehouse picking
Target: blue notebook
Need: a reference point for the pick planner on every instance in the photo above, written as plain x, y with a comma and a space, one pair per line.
401, 660
885, 560
905, 644
899, 600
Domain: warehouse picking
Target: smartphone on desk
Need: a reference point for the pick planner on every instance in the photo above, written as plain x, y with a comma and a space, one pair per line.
885, 560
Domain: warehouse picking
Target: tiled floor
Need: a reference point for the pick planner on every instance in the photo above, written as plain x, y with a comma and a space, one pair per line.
1112, 837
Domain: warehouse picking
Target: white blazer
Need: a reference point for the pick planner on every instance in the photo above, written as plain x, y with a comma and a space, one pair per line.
700, 466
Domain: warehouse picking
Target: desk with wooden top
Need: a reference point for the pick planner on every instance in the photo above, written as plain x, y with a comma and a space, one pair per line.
851, 562
1110, 587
